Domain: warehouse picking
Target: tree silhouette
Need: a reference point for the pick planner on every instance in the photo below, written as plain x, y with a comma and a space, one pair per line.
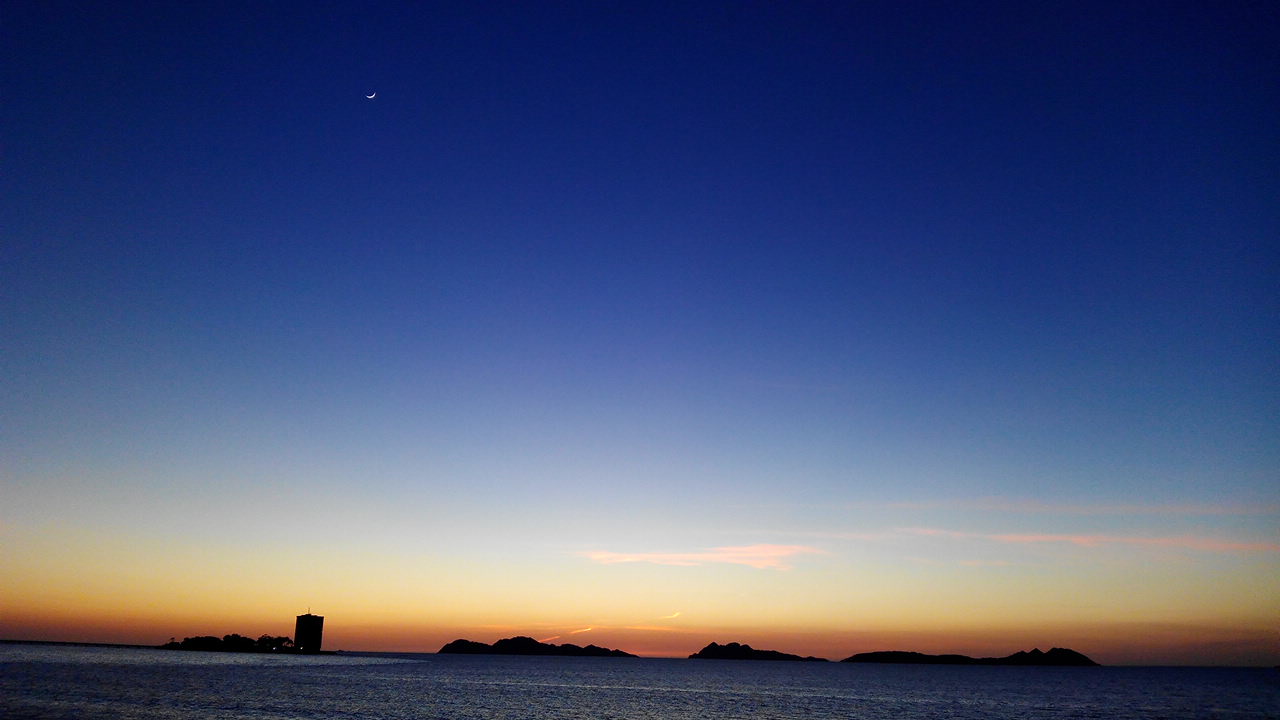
268, 643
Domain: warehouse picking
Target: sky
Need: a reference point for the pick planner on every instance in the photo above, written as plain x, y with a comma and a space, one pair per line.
823, 327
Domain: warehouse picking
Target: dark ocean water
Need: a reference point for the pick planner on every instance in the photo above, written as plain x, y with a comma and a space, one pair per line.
79, 682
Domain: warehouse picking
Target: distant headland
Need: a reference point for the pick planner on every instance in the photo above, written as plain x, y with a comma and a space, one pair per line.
521, 645
735, 651
1060, 657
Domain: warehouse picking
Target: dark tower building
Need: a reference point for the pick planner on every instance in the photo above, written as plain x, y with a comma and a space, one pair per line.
307, 633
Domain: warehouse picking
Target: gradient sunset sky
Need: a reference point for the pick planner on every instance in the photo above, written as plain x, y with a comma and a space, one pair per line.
823, 327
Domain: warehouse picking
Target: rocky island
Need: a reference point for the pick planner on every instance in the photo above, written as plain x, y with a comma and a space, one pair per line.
1060, 657
522, 645
734, 651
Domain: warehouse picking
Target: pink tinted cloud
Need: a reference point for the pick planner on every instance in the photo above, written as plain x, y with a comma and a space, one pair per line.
757, 556
1189, 542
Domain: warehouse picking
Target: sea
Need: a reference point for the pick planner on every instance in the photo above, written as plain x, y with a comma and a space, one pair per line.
42, 681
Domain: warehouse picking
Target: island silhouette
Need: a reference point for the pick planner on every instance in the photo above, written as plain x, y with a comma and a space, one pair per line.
736, 651
1060, 657
522, 645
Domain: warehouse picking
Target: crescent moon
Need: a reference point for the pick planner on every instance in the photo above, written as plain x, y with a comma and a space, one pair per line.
370, 97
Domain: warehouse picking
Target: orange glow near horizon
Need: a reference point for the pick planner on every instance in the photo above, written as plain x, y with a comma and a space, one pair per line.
1117, 600
1120, 643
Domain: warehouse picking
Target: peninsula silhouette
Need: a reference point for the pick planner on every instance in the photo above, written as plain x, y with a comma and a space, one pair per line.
1061, 657
308, 635
735, 651
232, 643
521, 645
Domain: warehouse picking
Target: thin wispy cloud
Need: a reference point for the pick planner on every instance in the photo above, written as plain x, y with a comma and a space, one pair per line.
672, 616
1037, 507
571, 632
1187, 542
773, 557
1181, 541
867, 536
664, 629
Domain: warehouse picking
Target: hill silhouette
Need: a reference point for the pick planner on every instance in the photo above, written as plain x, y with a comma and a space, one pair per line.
735, 651
521, 645
1061, 657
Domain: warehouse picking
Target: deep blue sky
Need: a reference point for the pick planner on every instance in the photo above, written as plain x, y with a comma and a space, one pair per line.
575, 256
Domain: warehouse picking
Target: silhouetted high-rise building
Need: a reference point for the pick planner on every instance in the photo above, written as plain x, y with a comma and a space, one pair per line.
307, 633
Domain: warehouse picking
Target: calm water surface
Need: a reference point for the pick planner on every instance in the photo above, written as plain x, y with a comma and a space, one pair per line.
79, 682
